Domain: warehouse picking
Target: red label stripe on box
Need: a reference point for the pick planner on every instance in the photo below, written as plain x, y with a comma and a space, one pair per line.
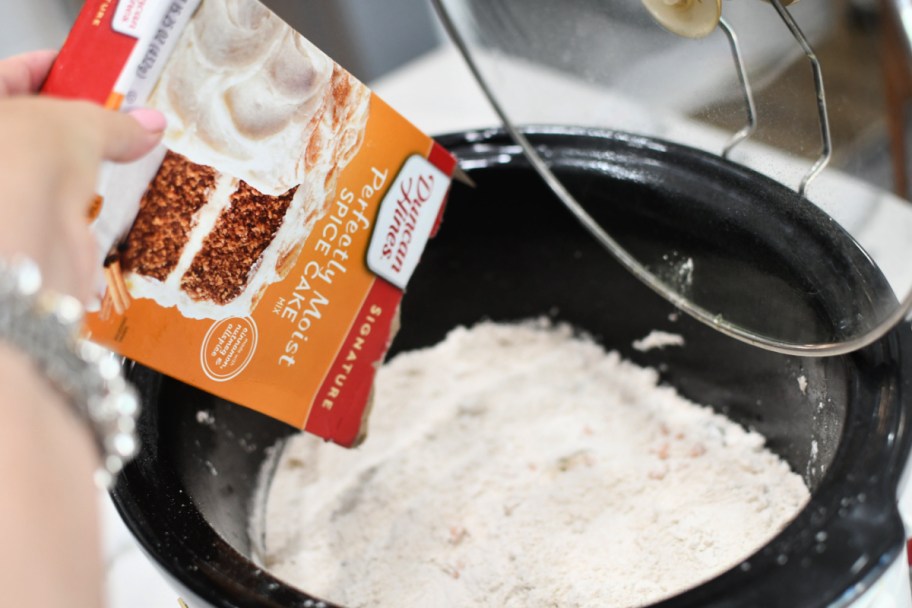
446, 162
440, 158
351, 376
93, 56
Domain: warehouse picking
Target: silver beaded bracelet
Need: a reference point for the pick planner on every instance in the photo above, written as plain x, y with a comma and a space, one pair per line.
46, 327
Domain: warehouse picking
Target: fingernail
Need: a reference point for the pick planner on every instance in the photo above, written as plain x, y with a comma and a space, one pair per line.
152, 121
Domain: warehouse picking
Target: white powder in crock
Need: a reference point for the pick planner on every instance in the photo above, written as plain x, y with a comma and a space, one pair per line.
658, 339
517, 465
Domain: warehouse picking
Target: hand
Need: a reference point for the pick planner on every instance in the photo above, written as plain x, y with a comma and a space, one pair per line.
51, 152
50, 155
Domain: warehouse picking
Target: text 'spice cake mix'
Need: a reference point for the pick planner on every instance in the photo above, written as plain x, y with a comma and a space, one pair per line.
265, 246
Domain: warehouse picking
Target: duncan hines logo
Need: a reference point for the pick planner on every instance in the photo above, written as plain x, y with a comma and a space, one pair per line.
405, 221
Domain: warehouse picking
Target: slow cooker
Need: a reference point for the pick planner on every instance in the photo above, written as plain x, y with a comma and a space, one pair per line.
509, 251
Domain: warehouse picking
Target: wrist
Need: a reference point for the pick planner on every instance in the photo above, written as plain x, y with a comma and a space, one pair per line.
19, 374
35, 409
43, 327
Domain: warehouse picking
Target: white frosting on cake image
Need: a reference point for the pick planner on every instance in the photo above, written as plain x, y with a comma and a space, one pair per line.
242, 93
250, 99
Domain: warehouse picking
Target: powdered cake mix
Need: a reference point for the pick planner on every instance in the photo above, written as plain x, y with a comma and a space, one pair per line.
521, 466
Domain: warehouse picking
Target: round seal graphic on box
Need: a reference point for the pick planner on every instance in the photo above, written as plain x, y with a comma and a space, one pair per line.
228, 348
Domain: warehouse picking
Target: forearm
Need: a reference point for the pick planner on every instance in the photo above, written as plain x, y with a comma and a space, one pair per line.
48, 510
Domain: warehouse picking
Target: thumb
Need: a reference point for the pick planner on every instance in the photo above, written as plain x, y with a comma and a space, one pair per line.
124, 137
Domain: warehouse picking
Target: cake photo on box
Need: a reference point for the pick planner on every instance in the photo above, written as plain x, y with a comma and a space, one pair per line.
260, 125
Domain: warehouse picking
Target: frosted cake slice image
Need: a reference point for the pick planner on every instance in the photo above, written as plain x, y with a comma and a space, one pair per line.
260, 125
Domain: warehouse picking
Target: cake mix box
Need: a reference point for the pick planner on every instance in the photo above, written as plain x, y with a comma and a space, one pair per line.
262, 251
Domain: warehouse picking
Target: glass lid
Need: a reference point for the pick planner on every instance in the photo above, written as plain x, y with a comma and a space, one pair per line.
763, 141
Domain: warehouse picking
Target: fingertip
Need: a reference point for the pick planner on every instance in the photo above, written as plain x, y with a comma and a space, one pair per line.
152, 121
115, 136
134, 134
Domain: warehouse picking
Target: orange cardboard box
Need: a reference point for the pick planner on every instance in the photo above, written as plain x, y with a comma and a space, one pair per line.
265, 247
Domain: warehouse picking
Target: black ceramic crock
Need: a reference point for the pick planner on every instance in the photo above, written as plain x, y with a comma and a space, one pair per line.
509, 251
